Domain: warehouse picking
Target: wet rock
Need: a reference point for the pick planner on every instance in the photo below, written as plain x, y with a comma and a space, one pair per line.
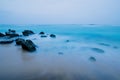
52, 36
41, 33
92, 59
27, 32
2, 35
6, 42
19, 41
11, 33
104, 44
115, 47
29, 46
67, 41
98, 50
60, 53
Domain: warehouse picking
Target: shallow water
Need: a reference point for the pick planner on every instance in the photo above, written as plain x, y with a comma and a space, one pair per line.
60, 59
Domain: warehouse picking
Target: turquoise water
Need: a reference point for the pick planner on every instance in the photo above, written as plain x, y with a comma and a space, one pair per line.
94, 31
93, 53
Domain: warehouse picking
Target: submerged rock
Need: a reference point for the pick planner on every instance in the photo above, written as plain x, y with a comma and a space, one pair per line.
98, 50
29, 46
60, 53
104, 44
92, 59
52, 35
115, 47
2, 35
19, 41
27, 32
67, 41
6, 42
41, 33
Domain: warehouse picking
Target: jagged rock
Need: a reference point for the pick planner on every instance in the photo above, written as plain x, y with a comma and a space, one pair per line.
2, 35
41, 33
52, 36
6, 42
27, 32
19, 41
28, 45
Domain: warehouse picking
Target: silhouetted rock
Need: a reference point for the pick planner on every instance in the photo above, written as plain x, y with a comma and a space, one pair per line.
2, 35
11, 33
92, 59
28, 45
98, 50
41, 33
52, 36
19, 41
27, 32
6, 41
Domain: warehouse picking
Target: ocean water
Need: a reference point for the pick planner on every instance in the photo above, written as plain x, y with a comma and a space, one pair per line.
79, 52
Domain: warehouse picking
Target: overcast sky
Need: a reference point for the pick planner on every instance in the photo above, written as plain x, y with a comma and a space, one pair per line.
60, 12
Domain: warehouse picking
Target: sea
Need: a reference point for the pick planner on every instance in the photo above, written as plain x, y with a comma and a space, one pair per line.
79, 52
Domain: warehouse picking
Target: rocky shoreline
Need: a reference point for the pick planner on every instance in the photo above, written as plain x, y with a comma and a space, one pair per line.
28, 45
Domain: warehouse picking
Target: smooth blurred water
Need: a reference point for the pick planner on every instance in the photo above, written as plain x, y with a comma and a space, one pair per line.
56, 59
94, 31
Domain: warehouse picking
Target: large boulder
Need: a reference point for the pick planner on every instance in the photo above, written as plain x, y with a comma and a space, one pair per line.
2, 35
19, 41
27, 32
6, 42
11, 33
28, 45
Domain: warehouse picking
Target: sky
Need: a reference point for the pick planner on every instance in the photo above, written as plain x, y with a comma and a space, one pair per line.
60, 12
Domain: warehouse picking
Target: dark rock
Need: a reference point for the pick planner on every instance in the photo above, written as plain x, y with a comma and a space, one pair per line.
92, 59
28, 45
2, 35
19, 41
52, 36
11, 33
115, 47
104, 44
67, 41
98, 50
27, 32
41, 33
60, 53
6, 42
